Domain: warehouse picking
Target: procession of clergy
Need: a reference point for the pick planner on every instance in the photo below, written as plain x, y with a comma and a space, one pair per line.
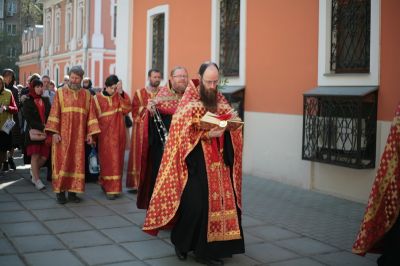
187, 173
185, 161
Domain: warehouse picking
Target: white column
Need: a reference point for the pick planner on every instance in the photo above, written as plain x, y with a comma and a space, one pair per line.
124, 43
51, 48
74, 27
97, 37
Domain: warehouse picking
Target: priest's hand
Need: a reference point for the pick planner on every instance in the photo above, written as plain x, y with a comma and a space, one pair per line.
90, 140
151, 105
119, 87
56, 138
216, 132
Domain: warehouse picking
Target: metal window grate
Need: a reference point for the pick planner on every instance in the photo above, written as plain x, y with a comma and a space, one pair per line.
229, 37
350, 36
339, 126
158, 43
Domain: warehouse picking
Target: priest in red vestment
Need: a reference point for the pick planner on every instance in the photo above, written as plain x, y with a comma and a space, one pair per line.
141, 104
111, 105
380, 228
72, 121
198, 187
166, 102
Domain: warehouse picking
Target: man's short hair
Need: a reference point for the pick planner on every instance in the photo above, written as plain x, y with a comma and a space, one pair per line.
111, 80
45, 76
151, 71
77, 70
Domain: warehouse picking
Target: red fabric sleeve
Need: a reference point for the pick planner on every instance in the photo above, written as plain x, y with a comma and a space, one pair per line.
12, 108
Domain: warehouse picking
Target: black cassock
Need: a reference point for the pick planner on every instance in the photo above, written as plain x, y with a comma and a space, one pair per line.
190, 230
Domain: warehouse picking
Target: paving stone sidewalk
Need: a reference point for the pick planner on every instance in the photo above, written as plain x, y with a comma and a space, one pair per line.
283, 226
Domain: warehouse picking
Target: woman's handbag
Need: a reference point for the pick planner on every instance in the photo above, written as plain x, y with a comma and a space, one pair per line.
37, 135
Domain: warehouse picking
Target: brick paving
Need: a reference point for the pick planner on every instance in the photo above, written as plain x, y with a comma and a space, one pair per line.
283, 226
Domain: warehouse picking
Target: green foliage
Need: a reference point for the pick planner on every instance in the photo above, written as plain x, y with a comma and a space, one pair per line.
31, 13
223, 81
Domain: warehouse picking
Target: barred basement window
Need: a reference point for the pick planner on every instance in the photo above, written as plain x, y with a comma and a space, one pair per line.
158, 43
351, 27
229, 37
339, 126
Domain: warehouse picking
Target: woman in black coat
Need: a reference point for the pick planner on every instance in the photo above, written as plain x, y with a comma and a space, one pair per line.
36, 110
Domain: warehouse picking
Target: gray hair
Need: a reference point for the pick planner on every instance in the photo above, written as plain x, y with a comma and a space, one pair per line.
78, 70
177, 68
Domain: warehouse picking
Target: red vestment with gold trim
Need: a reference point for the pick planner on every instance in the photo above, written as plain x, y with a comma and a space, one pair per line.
73, 118
111, 111
384, 201
137, 155
224, 193
167, 102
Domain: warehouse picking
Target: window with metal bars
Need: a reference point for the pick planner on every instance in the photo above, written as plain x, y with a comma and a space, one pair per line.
350, 36
339, 126
229, 37
157, 61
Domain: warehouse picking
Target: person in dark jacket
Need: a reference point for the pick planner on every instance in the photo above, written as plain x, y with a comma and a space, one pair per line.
24, 94
36, 110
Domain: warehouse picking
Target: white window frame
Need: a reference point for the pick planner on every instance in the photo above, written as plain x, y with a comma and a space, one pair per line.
47, 36
11, 8
12, 52
80, 12
215, 25
325, 77
10, 30
111, 69
113, 6
151, 13
68, 25
1, 8
57, 29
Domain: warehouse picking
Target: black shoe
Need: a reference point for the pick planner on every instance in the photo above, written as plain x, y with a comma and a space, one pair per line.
111, 196
5, 166
209, 261
180, 255
61, 198
72, 197
11, 163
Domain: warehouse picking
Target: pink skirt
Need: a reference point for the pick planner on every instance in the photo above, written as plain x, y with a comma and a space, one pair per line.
41, 149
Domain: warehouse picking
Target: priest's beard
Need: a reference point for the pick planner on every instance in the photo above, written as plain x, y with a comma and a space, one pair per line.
74, 86
209, 98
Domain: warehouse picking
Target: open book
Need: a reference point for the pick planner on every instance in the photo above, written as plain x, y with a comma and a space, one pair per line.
210, 120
